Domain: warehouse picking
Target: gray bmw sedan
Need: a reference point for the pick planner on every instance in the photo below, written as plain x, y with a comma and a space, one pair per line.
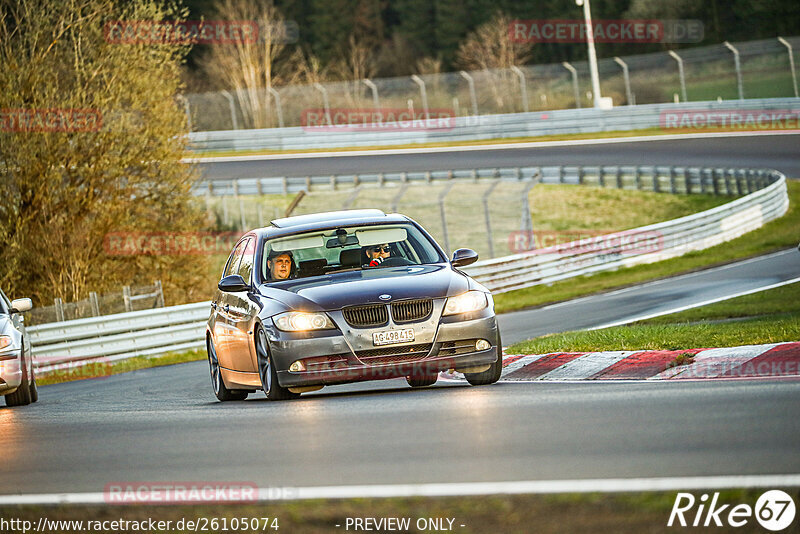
348, 296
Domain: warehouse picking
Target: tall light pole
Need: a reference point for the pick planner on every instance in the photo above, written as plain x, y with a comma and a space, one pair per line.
587, 15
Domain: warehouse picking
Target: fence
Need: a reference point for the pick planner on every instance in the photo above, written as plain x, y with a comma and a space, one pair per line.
531, 124
130, 299
153, 332
694, 74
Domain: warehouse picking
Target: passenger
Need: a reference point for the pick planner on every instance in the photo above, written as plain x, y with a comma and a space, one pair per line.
377, 254
281, 264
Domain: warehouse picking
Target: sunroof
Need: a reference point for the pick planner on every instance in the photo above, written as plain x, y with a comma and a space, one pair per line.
326, 217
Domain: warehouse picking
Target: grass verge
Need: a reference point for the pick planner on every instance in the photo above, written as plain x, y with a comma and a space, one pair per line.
103, 369
621, 513
775, 235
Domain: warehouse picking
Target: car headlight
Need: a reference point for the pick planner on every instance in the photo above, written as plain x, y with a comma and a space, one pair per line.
466, 302
5, 341
302, 321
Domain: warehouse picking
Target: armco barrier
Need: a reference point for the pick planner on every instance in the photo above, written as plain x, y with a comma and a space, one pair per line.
153, 332
531, 124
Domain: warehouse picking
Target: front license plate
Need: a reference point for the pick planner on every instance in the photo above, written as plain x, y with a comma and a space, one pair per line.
388, 337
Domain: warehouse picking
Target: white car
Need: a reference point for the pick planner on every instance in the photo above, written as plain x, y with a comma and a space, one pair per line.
17, 380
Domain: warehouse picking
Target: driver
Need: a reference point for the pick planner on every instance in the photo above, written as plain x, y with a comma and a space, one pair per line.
280, 264
377, 254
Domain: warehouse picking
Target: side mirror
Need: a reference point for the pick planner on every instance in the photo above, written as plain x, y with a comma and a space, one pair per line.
233, 283
21, 305
464, 256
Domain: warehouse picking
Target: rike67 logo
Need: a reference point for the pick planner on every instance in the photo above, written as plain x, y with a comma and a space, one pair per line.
774, 510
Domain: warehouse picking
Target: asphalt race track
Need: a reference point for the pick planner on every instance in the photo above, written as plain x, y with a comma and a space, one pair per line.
759, 151
165, 425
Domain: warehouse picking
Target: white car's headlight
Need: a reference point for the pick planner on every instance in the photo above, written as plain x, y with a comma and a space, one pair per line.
5, 341
302, 321
466, 302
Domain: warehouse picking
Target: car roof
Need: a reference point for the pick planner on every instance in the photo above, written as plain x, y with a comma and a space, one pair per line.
328, 220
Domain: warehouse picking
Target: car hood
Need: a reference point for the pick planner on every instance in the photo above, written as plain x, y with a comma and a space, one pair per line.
334, 291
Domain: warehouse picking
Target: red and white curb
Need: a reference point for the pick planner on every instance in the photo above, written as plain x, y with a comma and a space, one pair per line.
750, 361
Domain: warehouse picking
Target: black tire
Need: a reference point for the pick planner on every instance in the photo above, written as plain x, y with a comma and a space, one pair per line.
421, 381
34, 389
492, 374
22, 396
267, 372
221, 391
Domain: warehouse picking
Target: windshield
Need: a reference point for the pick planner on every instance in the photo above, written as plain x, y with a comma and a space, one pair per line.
346, 248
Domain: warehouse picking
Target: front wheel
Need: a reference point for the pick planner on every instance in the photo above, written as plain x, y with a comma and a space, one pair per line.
22, 396
217, 382
267, 371
492, 374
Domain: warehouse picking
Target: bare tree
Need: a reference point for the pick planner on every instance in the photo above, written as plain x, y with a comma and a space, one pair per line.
490, 48
251, 66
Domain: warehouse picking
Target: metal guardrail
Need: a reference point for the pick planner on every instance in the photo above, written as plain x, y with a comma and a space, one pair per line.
532, 124
158, 331
642, 245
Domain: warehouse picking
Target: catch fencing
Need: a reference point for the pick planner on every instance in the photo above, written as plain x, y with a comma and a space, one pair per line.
177, 328
752, 70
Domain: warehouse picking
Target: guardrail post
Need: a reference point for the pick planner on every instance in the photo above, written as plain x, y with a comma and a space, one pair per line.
333, 182
472, 97
376, 104
474, 176
232, 106
522, 87
637, 178
242, 217
738, 66
404, 177
580, 174
442, 197
561, 174
601, 176
398, 196
487, 218
319, 87
284, 185
788, 46
619, 177
428, 177
126, 298
728, 189
738, 175
159, 295
701, 175
575, 88
381, 179
672, 187
715, 181
279, 106
626, 77
678, 58
687, 180
95, 304
59, 304
423, 93
235, 184
308, 184
656, 184
526, 223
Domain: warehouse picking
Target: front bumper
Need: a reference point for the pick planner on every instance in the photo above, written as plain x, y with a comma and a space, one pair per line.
287, 348
10, 371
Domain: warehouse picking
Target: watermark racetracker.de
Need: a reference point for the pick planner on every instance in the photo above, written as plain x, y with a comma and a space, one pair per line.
65, 120
776, 119
376, 119
205, 32
169, 243
574, 242
606, 31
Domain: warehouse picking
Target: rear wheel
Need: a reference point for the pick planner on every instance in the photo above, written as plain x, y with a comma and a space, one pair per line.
217, 382
492, 374
22, 396
267, 371
421, 381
